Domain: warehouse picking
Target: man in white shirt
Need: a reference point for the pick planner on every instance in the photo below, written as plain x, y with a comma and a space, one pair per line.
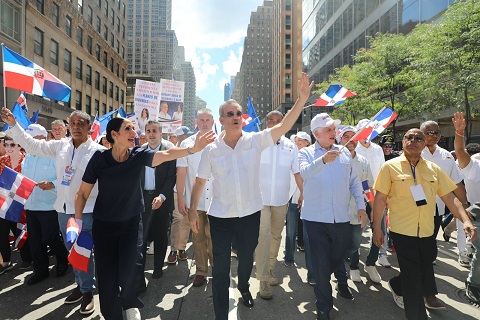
72, 156
277, 164
186, 173
470, 169
444, 160
163, 114
374, 154
233, 160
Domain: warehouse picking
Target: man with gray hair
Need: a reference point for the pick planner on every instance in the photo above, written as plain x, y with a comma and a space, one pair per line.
59, 130
71, 158
233, 160
277, 164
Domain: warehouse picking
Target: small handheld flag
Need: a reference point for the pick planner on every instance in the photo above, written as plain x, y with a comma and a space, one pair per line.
366, 191
336, 94
81, 252
250, 120
14, 192
21, 235
376, 126
73, 229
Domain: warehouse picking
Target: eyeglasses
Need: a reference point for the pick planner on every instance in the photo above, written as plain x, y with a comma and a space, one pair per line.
432, 133
230, 114
388, 146
413, 138
11, 145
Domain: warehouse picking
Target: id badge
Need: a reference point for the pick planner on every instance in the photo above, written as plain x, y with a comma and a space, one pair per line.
418, 195
68, 175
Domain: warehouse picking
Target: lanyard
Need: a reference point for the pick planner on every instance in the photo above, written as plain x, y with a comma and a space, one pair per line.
73, 155
413, 167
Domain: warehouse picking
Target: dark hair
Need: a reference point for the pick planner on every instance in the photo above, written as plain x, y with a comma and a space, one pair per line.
145, 109
472, 148
114, 125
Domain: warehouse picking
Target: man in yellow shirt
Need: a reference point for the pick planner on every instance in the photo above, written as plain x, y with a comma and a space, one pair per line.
410, 185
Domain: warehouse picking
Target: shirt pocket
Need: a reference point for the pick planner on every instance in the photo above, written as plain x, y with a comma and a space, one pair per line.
285, 158
401, 185
219, 165
429, 184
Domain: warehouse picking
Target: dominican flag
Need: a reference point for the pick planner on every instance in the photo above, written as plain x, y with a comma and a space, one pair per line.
95, 128
250, 120
21, 235
14, 192
376, 126
81, 252
22, 102
73, 229
121, 113
366, 191
24, 75
336, 94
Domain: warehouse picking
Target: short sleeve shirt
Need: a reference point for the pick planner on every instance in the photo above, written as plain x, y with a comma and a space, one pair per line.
396, 178
119, 191
471, 174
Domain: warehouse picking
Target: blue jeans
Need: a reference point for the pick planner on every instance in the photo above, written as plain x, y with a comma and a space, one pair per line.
474, 274
86, 280
291, 231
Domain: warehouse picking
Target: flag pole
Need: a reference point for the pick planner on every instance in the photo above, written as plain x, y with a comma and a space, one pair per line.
3, 74
356, 134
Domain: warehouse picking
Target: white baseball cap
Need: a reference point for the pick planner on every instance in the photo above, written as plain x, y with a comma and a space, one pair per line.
36, 130
323, 120
347, 129
303, 135
362, 123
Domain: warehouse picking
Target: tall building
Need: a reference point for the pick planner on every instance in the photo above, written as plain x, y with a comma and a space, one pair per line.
80, 42
255, 76
227, 93
200, 103
189, 102
287, 55
151, 44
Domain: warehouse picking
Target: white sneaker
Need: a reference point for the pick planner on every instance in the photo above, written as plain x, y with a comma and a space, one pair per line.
373, 274
265, 291
398, 299
150, 250
133, 314
355, 276
384, 261
463, 259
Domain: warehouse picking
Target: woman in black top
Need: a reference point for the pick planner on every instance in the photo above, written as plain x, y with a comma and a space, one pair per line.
116, 215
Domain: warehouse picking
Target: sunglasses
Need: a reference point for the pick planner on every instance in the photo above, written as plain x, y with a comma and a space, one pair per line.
413, 138
388, 146
11, 145
230, 114
432, 133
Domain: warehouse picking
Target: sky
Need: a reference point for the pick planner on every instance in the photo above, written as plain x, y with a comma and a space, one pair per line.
212, 33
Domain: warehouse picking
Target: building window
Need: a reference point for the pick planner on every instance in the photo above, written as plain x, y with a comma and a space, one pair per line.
88, 75
80, 6
117, 67
54, 52
40, 6
110, 90
79, 69
68, 26
89, 44
104, 108
38, 42
67, 61
105, 32
105, 8
122, 96
116, 93
112, 40
104, 86
96, 106
97, 51
112, 16
122, 74
80, 36
11, 20
78, 100
105, 59
90, 15
99, 25
97, 80
111, 65
88, 104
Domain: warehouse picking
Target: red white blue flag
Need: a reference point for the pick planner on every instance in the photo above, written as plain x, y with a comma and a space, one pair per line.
21, 235
366, 191
336, 94
95, 128
14, 192
81, 252
250, 120
73, 229
24, 75
376, 126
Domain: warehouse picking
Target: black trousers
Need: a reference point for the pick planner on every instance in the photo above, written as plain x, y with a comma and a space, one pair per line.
43, 230
5, 248
223, 230
117, 263
416, 279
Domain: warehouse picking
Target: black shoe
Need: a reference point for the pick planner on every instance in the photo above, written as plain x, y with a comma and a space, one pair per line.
157, 273
62, 268
141, 289
446, 238
74, 297
36, 278
344, 291
247, 299
473, 293
321, 315
88, 304
25, 265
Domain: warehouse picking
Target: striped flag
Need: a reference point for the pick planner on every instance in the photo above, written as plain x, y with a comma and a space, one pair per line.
81, 252
336, 94
14, 192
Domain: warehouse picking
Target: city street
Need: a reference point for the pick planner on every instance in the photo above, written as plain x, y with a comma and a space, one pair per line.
173, 297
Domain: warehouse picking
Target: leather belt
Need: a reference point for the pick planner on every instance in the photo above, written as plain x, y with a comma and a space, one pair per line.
149, 191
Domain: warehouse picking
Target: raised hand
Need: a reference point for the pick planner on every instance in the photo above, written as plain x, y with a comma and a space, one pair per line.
304, 86
8, 117
459, 121
202, 141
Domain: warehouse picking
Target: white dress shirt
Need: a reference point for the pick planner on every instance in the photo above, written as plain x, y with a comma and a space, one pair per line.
471, 175
360, 163
444, 160
192, 162
236, 174
65, 155
374, 155
277, 164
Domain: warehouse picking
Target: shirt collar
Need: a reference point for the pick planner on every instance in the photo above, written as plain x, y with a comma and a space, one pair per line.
318, 147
